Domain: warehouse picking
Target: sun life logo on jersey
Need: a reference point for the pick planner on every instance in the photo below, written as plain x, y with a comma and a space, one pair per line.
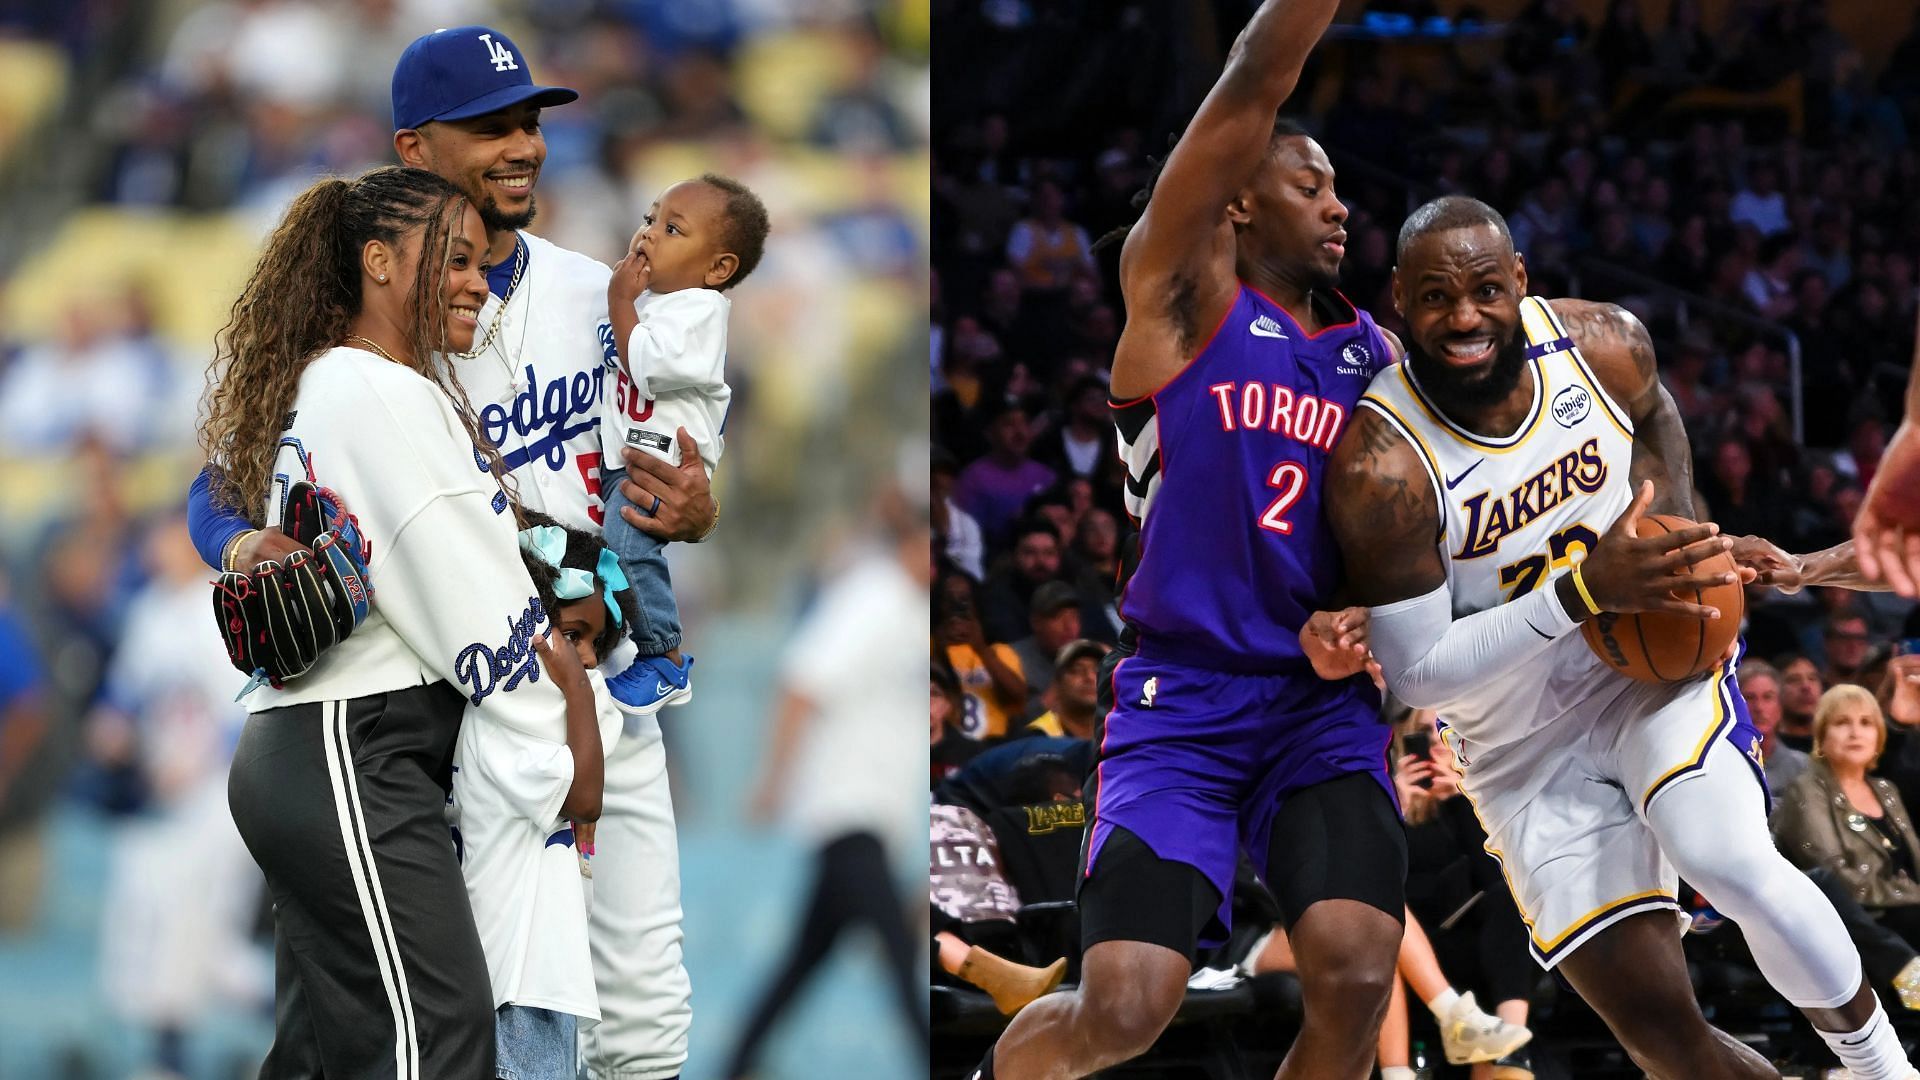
1355, 359
1571, 405
498, 52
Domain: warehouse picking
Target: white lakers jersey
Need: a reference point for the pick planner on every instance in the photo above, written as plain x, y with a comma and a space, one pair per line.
1516, 512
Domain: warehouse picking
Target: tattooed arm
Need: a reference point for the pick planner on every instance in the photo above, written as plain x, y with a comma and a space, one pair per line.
1383, 512
1620, 351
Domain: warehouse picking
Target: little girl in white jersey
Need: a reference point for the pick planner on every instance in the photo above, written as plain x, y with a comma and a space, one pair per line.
669, 312
522, 807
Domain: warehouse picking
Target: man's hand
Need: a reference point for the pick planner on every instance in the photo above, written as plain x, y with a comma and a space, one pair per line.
1886, 532
631, 276
1771, 564
1628, 573
680, 495
1335, 643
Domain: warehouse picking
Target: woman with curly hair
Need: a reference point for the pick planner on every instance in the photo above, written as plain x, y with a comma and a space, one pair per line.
331, 370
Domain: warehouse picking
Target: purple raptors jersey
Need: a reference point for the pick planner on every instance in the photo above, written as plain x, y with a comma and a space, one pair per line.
1224, 471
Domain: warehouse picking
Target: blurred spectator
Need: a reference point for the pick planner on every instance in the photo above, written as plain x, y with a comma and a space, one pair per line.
1740, 504
1054, 616
1077, 446
1046, 248
182, 890
24, 726
1837, 818
1074, 691
974, 911
1760, 687
955, 533
1761, 203
835, 759
54, 394
994, 689
995, 488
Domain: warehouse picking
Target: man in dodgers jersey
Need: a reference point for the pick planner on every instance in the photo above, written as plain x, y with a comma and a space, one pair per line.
1487, 485
1237, 368
465, 107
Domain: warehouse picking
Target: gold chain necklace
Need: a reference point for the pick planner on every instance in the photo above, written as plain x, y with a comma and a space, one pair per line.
375, 347
500, 313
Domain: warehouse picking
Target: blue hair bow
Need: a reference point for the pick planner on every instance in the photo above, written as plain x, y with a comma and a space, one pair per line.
549, 544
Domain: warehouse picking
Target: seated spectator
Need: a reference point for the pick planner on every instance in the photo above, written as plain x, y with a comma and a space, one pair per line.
973, 914
1046, 248
1054, 617
1076, 446
1761, 203
947, 748
995, 487
1837, 818
1007, 597
1453, 884
1760, 686
1075, 691
994, 690
1800, 690
955, 534
1845, 635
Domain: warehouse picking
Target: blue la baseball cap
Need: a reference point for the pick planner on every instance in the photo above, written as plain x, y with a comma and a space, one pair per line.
464, 72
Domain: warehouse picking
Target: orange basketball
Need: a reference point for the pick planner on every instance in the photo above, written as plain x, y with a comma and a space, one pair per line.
1658, 647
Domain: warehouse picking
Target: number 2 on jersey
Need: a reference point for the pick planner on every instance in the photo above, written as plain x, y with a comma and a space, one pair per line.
1291, 478
1521, 578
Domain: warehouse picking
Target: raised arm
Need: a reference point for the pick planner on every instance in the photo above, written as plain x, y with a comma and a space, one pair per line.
1887, 529
1616, 344
1177, 266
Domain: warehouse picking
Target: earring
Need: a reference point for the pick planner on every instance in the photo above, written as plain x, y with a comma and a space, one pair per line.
382, 279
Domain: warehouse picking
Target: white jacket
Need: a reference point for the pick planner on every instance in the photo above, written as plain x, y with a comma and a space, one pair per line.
452, 600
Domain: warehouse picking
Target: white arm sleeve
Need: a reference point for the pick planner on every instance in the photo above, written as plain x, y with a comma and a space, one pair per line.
680, 342
1431, 659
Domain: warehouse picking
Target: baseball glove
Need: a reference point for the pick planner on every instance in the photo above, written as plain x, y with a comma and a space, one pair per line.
279, 617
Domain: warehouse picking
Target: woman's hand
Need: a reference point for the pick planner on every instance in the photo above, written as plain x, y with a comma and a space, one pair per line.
1903, 703
679, 496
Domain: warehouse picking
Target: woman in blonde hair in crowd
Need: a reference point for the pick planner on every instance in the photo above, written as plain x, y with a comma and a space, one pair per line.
1852, 830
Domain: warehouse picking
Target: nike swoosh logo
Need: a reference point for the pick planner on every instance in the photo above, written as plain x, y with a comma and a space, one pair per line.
1529, 622
1265, 328
663, 687
1455, 482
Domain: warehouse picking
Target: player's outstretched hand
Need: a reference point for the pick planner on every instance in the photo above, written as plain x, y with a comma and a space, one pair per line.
1886, 532
1628, 573
1335, 642
1768, 563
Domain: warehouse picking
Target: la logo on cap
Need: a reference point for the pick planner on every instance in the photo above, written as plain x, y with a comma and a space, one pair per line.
498, 52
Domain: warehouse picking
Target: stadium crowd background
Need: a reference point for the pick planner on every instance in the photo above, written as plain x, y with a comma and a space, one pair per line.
1743, 174
145, 148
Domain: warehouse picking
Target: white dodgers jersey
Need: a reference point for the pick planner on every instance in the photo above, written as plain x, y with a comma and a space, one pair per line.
1517, 512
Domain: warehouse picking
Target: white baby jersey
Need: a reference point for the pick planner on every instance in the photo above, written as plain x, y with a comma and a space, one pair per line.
1519, 511
537, 385
678, 357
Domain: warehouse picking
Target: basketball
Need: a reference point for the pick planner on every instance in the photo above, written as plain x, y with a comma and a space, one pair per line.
1657, 647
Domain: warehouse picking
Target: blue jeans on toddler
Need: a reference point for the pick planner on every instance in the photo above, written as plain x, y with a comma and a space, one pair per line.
534, 1044
657, 628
